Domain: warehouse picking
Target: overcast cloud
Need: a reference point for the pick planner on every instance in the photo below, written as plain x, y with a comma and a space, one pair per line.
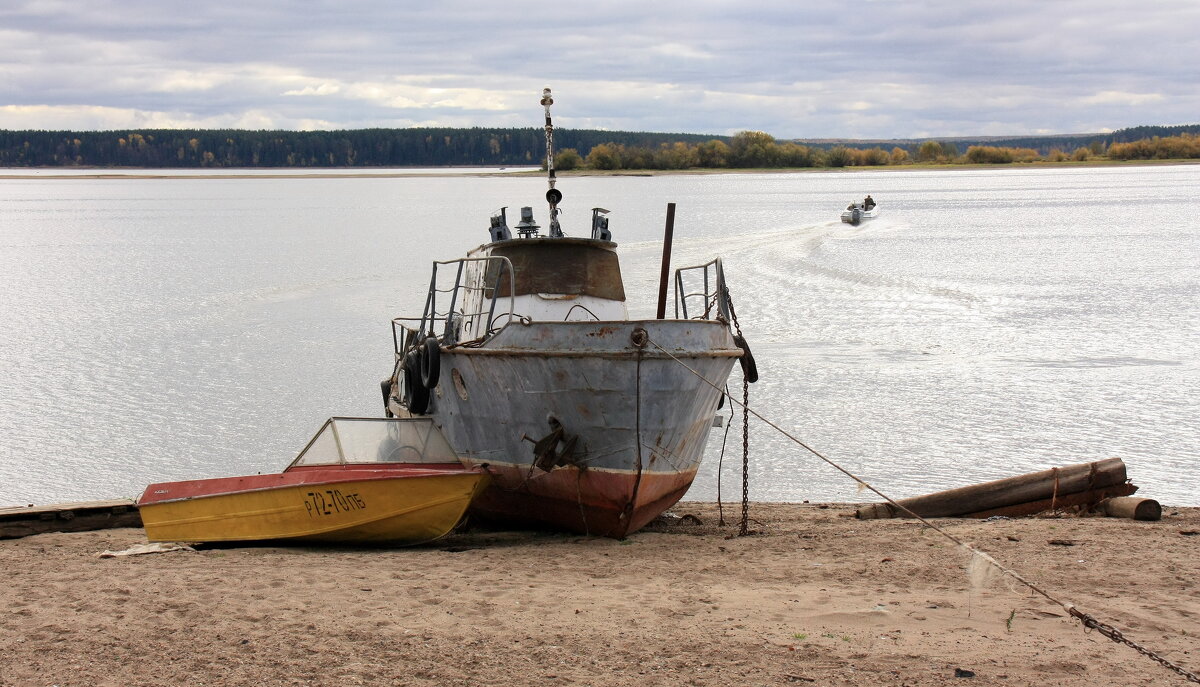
795, 69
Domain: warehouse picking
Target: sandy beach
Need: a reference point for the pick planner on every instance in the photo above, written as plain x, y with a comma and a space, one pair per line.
812, 597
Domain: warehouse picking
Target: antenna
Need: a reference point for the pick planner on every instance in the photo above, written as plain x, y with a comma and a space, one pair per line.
553, 196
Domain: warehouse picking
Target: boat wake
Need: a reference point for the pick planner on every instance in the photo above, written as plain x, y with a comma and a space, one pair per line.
797, 267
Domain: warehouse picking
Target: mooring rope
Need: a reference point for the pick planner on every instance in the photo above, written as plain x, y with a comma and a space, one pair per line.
721, 464
1087, 620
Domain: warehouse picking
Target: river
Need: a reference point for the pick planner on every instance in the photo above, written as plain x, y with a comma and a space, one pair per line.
990, 322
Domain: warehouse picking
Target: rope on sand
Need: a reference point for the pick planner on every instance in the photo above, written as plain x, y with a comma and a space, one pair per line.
1087, 620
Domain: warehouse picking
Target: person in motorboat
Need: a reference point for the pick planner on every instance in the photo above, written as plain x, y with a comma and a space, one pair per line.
868, 202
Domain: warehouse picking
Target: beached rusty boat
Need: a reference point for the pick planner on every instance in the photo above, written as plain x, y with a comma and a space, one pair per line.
526, 359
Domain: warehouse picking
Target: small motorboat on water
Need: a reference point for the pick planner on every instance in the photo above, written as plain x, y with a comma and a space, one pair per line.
526, 359
857, 212
359, 480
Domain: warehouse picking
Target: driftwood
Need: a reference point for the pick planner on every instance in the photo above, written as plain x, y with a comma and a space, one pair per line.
1125, 507
1071, 485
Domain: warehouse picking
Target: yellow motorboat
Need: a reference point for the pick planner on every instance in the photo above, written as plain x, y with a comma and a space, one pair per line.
359, 480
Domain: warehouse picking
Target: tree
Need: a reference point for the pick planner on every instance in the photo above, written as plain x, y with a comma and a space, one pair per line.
713, 153
872, 156
796, 155
989, 155
753, 149
838, 157
568, 159
677, 156
929, 151
604, 156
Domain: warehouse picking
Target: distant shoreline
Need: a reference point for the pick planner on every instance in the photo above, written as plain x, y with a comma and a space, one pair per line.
243, 173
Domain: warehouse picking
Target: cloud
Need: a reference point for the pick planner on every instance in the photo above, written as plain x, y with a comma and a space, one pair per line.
682, 50
1122, 98
91, 117
793, 68
321, 89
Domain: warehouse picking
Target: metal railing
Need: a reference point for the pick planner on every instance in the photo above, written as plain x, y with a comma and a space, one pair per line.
708, 292
452, 323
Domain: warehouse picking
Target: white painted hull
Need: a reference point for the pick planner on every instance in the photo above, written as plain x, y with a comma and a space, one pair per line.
858, 214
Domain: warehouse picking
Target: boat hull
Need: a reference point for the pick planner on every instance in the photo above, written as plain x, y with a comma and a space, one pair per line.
633, 421
396, 505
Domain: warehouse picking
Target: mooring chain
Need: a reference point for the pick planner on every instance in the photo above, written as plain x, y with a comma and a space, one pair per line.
1115, 635
1088, 621
733, 314
743, 529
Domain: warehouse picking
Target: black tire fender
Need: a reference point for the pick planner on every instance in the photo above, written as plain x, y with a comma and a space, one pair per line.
386, 387
431, 363
749, 367
416, 395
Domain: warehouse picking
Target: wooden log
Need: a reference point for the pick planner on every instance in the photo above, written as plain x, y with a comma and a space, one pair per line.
1126, 507
1088, 498
1051, 485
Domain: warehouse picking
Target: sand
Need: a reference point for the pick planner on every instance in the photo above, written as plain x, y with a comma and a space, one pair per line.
814, 598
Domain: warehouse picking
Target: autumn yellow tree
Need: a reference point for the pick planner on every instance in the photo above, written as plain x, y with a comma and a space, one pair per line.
604, 156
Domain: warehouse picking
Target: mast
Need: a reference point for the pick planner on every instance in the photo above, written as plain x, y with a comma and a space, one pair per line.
553, 196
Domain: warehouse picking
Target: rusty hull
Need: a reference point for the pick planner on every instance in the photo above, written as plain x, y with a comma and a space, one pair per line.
633, 421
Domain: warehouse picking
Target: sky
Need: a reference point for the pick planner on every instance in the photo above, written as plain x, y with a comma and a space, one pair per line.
795, 69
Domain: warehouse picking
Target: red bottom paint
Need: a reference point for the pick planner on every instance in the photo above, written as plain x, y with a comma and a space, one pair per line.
595, 502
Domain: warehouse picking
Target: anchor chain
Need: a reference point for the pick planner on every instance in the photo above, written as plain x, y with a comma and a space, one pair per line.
743, 527
1114, 634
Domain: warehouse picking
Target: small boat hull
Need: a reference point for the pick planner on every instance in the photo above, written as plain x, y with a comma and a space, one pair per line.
857, 214
345, 504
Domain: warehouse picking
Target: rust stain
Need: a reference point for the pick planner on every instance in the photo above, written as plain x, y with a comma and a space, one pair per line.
604, 331
560, 266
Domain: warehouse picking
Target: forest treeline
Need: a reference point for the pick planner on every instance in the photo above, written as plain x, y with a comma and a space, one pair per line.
755, 149
417, 147
577, 148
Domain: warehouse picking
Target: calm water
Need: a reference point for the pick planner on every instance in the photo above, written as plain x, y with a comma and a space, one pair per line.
988, 323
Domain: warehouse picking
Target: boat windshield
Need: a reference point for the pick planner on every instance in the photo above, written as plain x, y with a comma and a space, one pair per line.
361, 440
